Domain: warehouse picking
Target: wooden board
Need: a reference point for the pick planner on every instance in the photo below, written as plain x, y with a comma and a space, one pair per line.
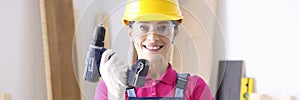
58, 29
231, 80
5, 96
256, 96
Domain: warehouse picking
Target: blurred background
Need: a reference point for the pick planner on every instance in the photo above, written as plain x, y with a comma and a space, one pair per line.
35, 65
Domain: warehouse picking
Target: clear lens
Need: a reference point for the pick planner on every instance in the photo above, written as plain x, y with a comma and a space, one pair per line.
143, 29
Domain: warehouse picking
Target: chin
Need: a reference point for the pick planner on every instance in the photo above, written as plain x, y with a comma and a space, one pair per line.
154, 56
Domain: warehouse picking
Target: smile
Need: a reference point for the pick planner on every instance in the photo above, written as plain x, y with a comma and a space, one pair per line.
153, 48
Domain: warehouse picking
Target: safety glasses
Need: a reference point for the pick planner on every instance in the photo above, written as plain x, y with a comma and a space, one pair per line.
144, 29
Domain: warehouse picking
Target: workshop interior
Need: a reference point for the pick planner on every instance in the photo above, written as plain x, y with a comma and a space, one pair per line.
244, 50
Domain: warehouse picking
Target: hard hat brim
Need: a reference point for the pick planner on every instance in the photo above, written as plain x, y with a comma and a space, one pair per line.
151, 17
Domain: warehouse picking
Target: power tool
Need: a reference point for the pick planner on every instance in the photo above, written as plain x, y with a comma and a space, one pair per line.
94, 54
136, 76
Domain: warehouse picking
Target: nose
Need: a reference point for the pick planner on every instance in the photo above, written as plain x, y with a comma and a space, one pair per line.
152, 36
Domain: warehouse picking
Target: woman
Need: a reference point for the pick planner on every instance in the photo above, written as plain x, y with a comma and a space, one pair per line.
152, 28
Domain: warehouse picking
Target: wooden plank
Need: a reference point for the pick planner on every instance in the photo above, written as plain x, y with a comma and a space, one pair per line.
285, 98
58, 30
231, 80
5, 96
256, 96
46, 50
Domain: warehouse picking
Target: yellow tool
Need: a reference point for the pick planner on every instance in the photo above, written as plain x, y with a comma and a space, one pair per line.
246, 88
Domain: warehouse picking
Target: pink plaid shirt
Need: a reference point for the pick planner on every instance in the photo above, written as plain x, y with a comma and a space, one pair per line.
196, 88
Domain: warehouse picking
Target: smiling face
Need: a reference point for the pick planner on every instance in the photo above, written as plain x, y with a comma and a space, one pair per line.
152, 38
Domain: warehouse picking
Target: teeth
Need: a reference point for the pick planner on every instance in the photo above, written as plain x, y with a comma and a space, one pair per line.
152, 47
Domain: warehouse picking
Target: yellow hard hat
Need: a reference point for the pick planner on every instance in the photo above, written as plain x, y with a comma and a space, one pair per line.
152, 10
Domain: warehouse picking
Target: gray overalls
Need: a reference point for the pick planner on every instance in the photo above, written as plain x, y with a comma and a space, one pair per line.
179, 91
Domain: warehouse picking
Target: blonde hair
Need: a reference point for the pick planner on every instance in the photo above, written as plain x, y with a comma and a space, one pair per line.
134, 55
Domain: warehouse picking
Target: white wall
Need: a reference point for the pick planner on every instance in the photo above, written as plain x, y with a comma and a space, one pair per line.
21, 54
265, 34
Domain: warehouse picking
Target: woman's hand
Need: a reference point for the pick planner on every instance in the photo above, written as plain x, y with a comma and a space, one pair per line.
114, 73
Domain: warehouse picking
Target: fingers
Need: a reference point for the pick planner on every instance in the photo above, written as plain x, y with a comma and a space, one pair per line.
104, 67
110, 61
113, 69
106, 55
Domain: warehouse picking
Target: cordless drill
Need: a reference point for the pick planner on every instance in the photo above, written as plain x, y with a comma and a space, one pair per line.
136, 76
94, 54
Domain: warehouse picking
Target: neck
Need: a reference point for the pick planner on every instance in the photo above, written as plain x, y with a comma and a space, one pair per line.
157, 69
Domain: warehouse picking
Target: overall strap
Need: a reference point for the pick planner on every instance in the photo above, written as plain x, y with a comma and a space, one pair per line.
131, 92
181, 84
